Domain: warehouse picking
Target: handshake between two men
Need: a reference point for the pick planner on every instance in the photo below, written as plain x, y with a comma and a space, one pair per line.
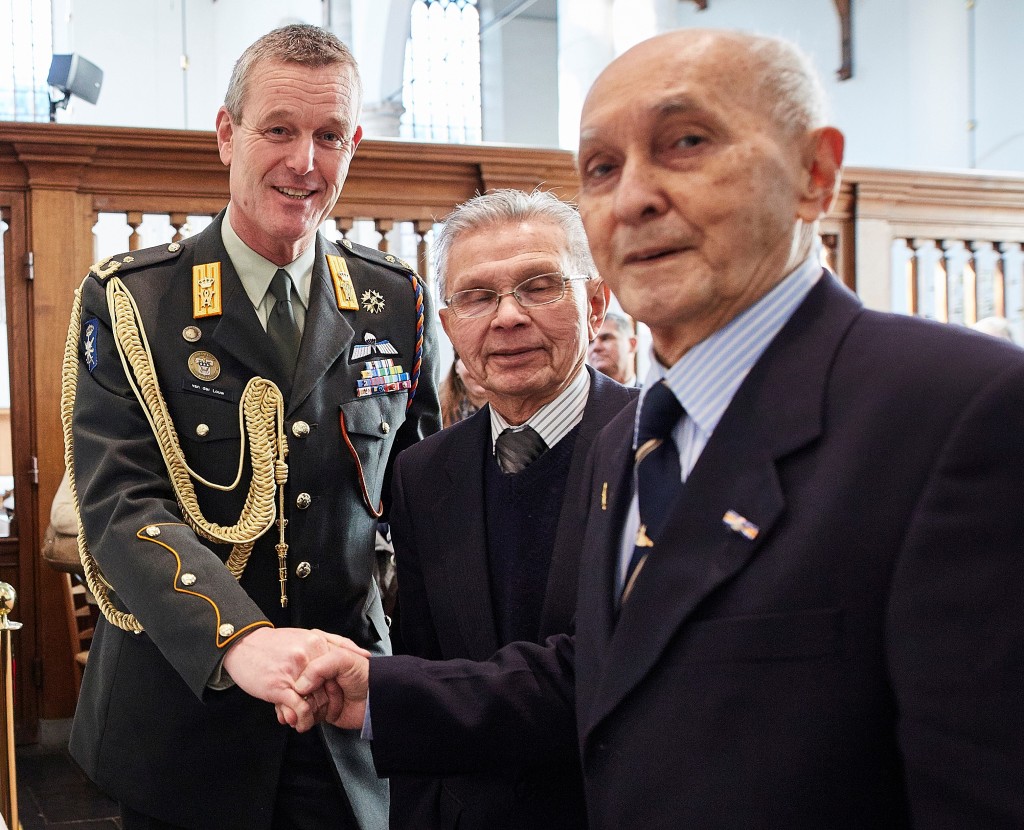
310, 676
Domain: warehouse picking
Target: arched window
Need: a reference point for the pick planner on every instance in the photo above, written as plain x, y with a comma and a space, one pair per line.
441, 89
25, 35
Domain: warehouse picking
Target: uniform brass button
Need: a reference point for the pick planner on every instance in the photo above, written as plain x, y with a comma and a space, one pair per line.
192, 333
188, 579
152, 531
303, 500
389, 258
385, 427
303, 569
202, 430
226, 630
300, 429
174, 246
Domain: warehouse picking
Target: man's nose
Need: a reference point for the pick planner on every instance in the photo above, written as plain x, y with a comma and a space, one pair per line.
639, 193
300, 155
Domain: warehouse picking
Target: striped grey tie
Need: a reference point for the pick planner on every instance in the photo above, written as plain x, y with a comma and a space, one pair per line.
517, 449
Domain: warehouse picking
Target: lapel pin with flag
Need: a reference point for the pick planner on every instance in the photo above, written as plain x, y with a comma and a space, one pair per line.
738, 524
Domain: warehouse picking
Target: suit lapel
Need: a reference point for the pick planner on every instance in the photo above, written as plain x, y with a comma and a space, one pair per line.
605, 400
326, 333
777, 410
460, 526
611, 490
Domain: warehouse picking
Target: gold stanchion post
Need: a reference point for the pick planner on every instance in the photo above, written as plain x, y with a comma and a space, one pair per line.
8, 775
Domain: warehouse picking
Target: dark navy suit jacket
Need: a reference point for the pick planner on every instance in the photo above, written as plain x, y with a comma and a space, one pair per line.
858, 662
440, 536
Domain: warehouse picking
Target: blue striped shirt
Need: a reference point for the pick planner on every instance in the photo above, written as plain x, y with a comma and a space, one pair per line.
706, 378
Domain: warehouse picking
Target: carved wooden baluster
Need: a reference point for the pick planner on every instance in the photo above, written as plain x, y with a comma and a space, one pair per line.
344, 224
923, 304
383, 227
134, 219
422, 227
998, 280
178, 221
985, 288
952, 280
1012, 266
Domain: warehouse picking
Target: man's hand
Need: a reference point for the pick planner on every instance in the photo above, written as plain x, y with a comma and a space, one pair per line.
267, 662
343, 674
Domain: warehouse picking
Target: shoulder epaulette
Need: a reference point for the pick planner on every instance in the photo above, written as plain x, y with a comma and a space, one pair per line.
378, 257
135, 259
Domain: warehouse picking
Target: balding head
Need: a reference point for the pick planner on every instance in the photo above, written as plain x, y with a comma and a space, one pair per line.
705, 167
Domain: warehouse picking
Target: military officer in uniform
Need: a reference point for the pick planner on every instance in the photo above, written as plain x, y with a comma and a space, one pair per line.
228, 522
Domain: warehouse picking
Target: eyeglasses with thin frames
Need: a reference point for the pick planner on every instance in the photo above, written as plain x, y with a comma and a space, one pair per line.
542, 289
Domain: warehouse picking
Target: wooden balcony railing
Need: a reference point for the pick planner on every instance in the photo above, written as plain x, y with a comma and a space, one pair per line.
944, 245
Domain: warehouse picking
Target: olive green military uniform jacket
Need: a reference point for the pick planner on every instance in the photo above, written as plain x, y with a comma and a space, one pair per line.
148, 729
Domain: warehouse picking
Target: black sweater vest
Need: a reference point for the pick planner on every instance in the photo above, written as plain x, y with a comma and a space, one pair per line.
522, 511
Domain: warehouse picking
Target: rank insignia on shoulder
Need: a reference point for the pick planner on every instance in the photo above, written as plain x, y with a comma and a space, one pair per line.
206, 290
344, 290
89, 329
379, 377
373, 301
371, 345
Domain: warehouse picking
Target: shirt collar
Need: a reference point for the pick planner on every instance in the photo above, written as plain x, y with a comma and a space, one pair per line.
256, 271
706, 378
557, 418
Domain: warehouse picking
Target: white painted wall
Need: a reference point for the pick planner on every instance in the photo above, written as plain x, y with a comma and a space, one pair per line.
908, 104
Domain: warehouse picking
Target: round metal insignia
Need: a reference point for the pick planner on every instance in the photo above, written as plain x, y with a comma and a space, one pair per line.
191, 333
204, 365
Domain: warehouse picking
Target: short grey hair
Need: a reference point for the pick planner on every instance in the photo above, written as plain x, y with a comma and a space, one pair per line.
790, 81
509, 206
623, 322
299, 43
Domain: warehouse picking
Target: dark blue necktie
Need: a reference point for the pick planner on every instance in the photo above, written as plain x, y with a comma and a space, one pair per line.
281, 326
658, 477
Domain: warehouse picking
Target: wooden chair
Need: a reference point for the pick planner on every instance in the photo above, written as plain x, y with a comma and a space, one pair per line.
60, 552
81, 623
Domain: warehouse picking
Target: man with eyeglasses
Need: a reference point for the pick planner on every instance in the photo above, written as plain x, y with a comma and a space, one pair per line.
484, 524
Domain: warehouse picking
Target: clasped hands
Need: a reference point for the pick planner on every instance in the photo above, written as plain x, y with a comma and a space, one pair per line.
310, 676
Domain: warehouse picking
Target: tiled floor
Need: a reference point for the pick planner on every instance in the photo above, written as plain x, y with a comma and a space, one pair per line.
54, 794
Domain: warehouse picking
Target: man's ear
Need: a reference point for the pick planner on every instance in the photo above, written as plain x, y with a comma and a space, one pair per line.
443, 313
597, 305
823, 165
357, 136
225, 133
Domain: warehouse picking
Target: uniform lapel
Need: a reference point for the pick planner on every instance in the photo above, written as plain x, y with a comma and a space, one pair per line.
238, 330
459, 519
777, 410
326, 333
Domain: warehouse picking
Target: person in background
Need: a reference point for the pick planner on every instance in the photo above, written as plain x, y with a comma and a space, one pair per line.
461, 395
485, 514
994, 326
613, 351
227, 574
